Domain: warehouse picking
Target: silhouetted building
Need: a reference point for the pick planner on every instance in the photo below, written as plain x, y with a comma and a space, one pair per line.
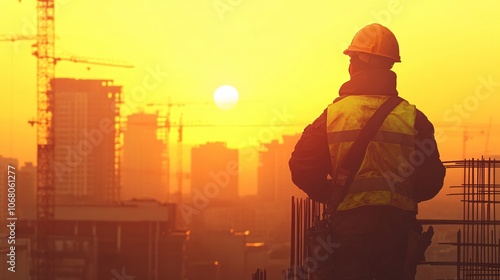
274, 181
214, 173
275, 189
4, 189
26, 190
142, 159
223, 216
87, 134
20, 182
136, 239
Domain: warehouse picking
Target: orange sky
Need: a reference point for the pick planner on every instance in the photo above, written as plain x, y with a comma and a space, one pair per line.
284, 57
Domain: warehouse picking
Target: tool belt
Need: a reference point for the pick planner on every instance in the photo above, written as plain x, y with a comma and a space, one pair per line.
320, 261
418, 242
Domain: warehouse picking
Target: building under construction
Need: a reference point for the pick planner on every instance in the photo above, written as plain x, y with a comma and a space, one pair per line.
142, 170
136, 239
87, 140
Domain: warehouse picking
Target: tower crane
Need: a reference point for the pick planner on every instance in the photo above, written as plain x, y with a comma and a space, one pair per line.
180, 173
44, 50
13, 38
468, 132
44, 263
168, 124
94, 61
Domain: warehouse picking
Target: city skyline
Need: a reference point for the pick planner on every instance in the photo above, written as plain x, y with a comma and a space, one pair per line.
248, 172
302, 75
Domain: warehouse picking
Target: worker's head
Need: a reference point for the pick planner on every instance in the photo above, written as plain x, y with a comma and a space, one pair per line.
374, 46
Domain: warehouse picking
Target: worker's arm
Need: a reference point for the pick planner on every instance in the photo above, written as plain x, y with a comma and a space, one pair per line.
310, 161
429, 176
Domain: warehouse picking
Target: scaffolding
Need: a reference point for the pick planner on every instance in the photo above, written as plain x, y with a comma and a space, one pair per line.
478, 240
114, 191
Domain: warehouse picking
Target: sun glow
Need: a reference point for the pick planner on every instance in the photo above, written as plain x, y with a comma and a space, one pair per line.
226, 97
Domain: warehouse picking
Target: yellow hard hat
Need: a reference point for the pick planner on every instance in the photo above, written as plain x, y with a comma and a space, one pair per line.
375, 39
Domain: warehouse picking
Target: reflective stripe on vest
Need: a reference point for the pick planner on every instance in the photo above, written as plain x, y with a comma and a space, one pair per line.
383, 178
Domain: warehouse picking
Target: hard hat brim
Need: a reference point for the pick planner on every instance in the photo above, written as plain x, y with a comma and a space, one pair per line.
351, 52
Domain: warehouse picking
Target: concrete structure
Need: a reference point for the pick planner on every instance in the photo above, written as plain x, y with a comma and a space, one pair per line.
273, 174
135, 239
275, 189
224, 216
26, 190
214, 172
86, 135
141, 169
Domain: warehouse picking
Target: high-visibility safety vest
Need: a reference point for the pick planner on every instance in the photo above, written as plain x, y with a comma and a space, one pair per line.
382, 178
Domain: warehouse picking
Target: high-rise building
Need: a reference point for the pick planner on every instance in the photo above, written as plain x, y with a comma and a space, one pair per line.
141, 169
274, 181
214, 172
87, 137
275, 189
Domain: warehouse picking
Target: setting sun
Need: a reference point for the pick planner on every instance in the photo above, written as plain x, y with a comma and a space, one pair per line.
226, 97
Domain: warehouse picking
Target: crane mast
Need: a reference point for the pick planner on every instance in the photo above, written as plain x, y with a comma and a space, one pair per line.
45, 51
180, 172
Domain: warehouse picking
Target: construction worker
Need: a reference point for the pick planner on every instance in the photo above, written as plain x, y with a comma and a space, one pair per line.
401, 166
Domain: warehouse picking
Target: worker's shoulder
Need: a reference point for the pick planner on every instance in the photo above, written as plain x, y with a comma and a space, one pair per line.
418, 114
423, 125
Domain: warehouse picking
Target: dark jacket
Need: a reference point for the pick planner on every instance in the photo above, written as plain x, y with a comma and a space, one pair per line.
310, 163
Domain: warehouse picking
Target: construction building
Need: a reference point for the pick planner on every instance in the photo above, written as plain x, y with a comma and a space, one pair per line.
141, 168
86, 124
214, 173
135, 239
24, 205
273, 174
26, 190
274, 189
24, 178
